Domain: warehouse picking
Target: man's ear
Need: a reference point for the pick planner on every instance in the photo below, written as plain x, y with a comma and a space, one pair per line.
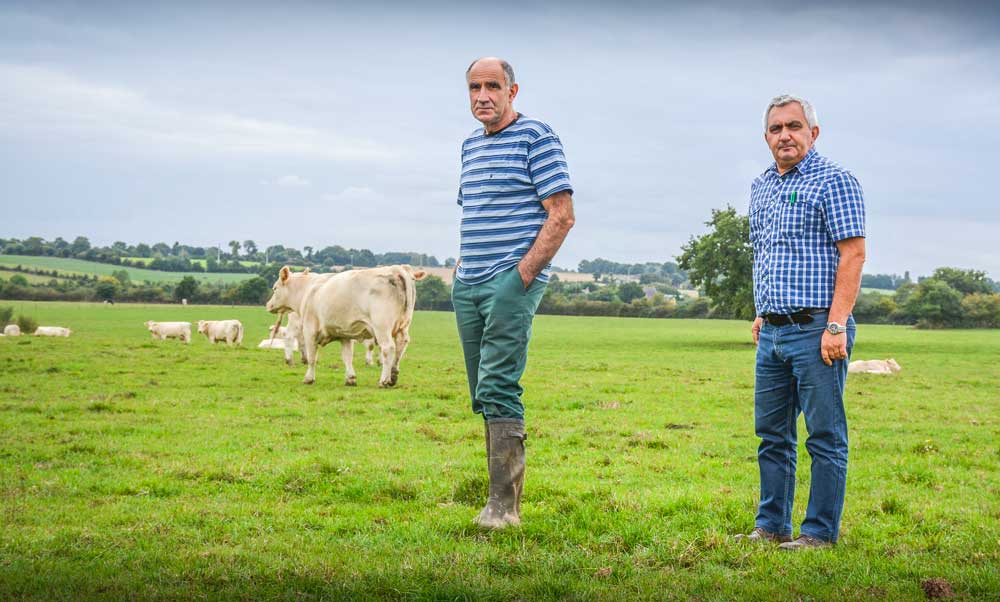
513, 92
815, 133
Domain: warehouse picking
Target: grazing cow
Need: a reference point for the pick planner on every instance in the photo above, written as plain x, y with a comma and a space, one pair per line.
12, 330
52, 331
888, 366
170, 330
371, 303
230, 331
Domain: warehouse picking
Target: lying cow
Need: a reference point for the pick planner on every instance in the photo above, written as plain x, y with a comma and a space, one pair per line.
293, 342
12, 330
888, 366
230, 331
170, 330
355, 304
52, 331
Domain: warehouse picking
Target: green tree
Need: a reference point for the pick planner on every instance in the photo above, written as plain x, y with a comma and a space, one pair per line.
966, 282
80, 245
982, 311
234, 246
433, 293
250, 247
721, 263
934, 304
18, 280
121, 276
107, 289
187, 288
254, 291
629, 291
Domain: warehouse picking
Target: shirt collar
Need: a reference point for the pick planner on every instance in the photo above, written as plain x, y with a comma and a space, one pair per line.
802, 166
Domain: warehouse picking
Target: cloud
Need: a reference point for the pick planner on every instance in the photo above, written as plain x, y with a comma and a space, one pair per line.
292, 181
46, 102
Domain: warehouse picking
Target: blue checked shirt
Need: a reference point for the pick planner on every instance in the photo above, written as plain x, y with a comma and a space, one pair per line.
795, 222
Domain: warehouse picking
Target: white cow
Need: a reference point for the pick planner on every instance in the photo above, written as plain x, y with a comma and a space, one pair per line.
293, 341
888, 366
52, 331
12, 330
230, 331
355, 304
170, 330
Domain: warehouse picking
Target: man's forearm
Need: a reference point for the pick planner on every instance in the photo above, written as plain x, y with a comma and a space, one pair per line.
848, 284
550, 238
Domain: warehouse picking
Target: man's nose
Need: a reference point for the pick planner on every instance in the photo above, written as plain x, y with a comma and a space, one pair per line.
482, 96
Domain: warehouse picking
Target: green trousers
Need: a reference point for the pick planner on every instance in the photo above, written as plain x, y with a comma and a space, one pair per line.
494, 324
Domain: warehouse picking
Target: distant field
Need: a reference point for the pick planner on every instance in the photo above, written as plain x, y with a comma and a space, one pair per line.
201, 262
133, 469
32, 278
78, 266
883, 291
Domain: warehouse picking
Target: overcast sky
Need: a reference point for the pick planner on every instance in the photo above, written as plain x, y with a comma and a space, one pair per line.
319, 124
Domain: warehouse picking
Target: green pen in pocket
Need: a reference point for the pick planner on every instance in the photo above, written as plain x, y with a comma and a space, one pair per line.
792, 197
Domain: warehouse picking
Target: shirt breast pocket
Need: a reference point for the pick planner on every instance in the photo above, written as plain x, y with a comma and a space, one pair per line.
797, 217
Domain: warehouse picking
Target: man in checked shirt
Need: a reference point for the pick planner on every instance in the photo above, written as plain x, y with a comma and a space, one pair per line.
807, 228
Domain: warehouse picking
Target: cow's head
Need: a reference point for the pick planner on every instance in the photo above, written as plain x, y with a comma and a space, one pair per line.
894, 367
280, 300
149, 325
202, 326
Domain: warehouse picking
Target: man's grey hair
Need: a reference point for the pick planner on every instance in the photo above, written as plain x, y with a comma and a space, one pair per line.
508, 71
784, 99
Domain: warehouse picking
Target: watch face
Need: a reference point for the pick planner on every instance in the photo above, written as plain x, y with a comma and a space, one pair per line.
835, 328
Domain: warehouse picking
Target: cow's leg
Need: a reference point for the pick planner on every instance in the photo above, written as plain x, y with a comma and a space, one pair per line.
310, 350
402, 340
347, 355
290, 351
369, 351
387, 348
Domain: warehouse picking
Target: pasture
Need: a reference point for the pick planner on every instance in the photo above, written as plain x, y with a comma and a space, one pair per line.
141, 469
76, 267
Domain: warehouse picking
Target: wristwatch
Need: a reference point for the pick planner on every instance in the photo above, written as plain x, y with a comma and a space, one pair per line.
834, 328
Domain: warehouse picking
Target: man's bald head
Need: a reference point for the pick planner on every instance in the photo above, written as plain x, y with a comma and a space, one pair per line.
508, 71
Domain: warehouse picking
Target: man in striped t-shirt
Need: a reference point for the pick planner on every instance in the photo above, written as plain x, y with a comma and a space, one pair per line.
517, 208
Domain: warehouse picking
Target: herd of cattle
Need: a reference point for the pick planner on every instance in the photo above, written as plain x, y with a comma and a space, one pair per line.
374, 306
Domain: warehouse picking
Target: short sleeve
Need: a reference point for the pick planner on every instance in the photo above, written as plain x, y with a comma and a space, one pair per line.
547, 166
844, 204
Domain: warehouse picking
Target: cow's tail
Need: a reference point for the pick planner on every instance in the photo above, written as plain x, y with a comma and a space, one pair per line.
239, 333
407, 276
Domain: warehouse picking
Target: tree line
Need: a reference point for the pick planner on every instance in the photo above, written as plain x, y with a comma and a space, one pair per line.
720, 263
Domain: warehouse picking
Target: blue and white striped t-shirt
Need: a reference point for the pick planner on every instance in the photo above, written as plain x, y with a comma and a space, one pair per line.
505, 178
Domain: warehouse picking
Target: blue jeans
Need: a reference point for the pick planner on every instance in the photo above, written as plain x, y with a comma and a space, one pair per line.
791, 378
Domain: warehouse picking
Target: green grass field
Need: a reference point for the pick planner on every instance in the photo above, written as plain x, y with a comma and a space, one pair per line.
32, 278
201, 262
78, 266
141, 469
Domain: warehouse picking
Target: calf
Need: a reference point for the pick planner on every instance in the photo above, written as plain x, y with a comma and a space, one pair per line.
888, 366
170, 330
52, 331
230, 331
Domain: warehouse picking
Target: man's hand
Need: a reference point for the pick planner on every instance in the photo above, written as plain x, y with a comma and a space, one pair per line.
550, 238
755, 329
833, 347
525, 280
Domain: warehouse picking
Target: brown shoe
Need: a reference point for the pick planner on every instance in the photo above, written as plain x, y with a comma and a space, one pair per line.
804, 542
759, 535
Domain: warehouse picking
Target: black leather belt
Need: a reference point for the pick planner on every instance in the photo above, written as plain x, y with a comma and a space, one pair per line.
803, 316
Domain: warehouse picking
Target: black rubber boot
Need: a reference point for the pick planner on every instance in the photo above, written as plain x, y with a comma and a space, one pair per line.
505, 453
